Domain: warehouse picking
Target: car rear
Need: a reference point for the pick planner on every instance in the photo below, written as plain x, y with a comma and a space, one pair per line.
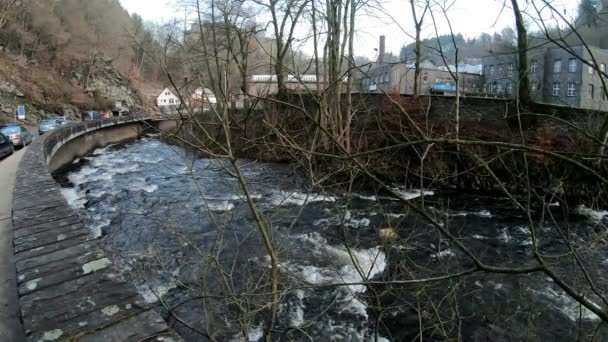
14, 134
6, 146
63, 120
47, 126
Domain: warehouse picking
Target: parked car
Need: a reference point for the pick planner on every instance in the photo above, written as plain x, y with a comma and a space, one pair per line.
17, 133
90, 115
48, 125
6, 146
64, 120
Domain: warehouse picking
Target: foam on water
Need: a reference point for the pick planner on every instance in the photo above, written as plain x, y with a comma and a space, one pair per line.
219, 206
298, 198
89, 175
595, 215
296, 310
567, 305
344, 269
140, 185
504, 235
125, 169
345, 331
394, 215
364, 222
408, 194
255, 334
97, 229
483, 213
367, 198
75, 199
526, 231
447, 253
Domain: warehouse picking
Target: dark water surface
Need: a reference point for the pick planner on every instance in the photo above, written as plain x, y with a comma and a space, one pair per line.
182, 232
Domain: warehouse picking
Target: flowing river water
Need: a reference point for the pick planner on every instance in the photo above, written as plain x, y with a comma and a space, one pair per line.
180, 229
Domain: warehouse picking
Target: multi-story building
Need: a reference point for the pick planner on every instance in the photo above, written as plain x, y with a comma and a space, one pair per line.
391, 78
556, 76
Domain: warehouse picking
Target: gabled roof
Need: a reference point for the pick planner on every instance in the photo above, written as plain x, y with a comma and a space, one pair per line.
165, 89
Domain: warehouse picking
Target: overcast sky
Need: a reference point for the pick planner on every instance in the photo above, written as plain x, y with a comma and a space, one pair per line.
468, 17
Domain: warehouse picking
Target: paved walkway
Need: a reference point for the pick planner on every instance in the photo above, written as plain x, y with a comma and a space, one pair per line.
67, 288
10, 324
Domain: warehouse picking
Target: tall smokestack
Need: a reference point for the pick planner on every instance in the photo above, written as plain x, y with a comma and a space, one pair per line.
382, 49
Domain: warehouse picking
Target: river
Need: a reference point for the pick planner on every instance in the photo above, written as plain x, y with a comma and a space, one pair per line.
180, 229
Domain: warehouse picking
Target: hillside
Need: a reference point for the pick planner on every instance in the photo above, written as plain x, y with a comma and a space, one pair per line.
62, 56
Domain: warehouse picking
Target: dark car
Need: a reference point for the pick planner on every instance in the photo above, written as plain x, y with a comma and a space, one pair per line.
48, 125
6, 146
90, 115
17, 133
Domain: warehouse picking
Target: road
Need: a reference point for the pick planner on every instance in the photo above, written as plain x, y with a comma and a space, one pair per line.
10, 324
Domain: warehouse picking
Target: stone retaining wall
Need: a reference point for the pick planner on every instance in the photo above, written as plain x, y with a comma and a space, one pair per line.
68, 289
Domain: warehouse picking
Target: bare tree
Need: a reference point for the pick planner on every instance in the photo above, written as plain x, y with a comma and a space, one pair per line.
418, 20
285, 16
522, 49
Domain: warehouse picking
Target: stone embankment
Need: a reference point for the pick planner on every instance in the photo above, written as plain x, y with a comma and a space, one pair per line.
68, 289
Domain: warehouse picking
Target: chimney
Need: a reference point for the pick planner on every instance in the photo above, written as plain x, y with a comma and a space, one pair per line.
381, 49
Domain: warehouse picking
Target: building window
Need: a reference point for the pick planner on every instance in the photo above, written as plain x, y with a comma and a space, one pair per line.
557, 66
500, 70
425, 78
572, 65
533, 66
591, 91
571, 89
485, 70
509, 88
493, 88
533, 87
492, 69
556, 89
510, 69
590, 69
171, 101
166, 93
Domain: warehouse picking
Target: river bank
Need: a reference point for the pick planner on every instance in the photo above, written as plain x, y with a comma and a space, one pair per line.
497, 148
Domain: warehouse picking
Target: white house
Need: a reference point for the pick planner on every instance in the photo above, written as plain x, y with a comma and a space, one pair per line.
204, 94
167, 99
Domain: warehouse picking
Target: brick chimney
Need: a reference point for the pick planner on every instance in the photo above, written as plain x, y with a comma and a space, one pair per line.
382, 49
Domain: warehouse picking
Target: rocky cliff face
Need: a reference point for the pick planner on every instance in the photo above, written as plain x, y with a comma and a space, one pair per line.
101, 80
46, 91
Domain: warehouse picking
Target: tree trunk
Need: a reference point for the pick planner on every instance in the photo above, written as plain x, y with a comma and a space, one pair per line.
522, 50
418, 25
349, 84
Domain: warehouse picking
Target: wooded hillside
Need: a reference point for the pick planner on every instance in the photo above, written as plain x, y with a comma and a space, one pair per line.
85, 53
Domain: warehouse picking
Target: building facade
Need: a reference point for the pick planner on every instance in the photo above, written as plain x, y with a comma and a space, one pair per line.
265, 85
167, 99
556, 76
391, 78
